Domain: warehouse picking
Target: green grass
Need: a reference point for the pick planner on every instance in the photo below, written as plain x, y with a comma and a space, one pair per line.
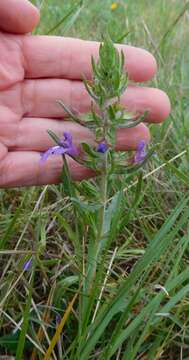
134, 320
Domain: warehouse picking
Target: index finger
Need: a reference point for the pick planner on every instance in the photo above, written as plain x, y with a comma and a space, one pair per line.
60, 57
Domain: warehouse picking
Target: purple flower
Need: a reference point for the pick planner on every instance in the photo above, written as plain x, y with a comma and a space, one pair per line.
27, 264
66, 147
140, 153
102, 148
58, 319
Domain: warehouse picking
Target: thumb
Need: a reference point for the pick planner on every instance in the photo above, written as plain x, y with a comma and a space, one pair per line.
18, 16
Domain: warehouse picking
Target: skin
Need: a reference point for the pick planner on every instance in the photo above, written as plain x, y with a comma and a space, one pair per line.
35, 71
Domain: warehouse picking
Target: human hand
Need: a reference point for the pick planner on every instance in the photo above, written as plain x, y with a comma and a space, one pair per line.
35, 71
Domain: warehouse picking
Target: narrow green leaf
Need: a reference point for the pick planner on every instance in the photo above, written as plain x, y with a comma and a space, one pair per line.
10, 342
180, 175
111, 211
11, 227
71, 234
68, 19
89, 151
26, 315
70, 113
54, 136
86, 207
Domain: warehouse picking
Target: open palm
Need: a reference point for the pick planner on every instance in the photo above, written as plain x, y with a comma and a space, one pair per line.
35, 71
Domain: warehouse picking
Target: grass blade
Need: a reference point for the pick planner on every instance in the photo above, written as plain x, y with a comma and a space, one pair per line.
153, 252
22, 337
60, 328
68, 19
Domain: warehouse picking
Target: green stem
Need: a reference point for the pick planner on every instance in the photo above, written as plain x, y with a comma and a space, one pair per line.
103, 191
88, 288
72, 193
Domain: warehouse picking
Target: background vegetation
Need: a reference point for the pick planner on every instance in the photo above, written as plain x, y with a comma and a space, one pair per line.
154, 323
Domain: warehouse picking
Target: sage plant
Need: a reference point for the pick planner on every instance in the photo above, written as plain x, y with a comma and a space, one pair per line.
95, 221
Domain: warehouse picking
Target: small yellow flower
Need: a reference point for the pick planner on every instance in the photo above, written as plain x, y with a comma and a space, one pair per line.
114, 6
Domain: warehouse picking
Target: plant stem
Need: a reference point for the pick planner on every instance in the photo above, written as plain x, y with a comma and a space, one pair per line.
103, 190
103, 193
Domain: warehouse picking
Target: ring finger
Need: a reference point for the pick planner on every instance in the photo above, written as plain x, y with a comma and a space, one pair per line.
40, 96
